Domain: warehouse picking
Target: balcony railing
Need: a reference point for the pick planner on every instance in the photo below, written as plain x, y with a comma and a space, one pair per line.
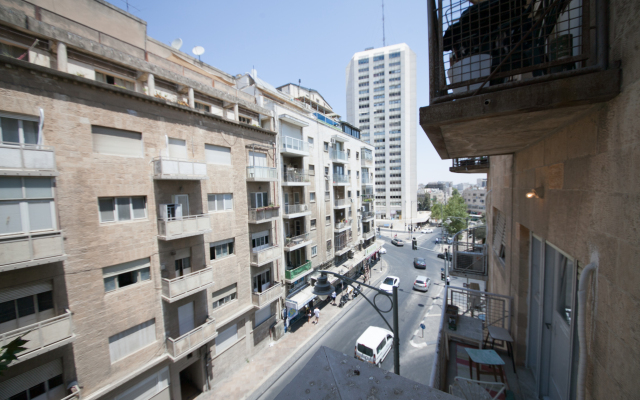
41, 335
367, 159
366, 180
291, 209
296, 240
183, 286
293, 273
185, 344
294, 146
470, 165
366, 235
343, 224
469, 260
338, 155
260, 215
26, 251
265, 255
340, 179
293, 175
268, 296
367, 215
33, 158
340, 202
169, 229
262, 174
342, 242
173, 168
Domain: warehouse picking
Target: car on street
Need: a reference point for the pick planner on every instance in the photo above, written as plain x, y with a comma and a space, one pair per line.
422, 283
389, 282
397, 242
374, 345
441, 255
450, 239
420, 262
426, 230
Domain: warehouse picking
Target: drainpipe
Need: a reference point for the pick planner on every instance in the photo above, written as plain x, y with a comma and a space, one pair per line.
582, 330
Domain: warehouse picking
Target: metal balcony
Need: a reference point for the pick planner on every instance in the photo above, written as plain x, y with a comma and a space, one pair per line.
268, 296
191, 225
296, 210
367, 215
338, 156
264, 214
264, 256
262, 174
367, 159
294, 147
27, 160
298, 272
469, 260
185, 344
341, 203
340, 180
342, 243
295, 177
367, 181
173, 168
30, 250
296, 242
42, 336
183, 286
470, 165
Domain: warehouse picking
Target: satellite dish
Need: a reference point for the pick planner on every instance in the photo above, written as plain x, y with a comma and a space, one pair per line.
198, 50
176, 44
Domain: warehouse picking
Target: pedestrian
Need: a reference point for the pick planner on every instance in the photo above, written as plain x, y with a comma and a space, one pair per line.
333, 297
308, 314
448, 281
317, 313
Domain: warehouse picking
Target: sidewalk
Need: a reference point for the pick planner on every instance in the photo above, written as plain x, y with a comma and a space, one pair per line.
273, 361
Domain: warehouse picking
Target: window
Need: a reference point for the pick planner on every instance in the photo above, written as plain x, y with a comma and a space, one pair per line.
348, 153
125, 274
365, 91
394, 86
115, 81
226, 338
363, 106
245, 120
394, 64
313, 224
314, 251
378, 74
357, 155
394, 94
326, 146
363, 69
363, 77
203, 107
396, 79
357, 174
379, 66
220, 202
499, 234
378, 58
395, 71
364, 120
224, 296
349, 194
118, 209
312, 169
363, 84
221, 249
149, 387
379, 96
357, 193
312, 197
35, 300
395, 101
379, 89
259, 199
12, 51
328, 220
379, 81
19, 130
217, 154
26, 205
394, 55
363, 61
310, 140
329, 245
326, 171
43, 382
366, 98
133, 339
116, 142
260, 240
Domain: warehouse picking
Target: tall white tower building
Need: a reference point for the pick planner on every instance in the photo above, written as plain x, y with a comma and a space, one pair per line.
381, 101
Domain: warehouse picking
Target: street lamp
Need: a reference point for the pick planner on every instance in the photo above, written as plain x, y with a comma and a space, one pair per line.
323, 289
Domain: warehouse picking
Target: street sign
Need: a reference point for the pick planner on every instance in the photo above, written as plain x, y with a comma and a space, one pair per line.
422, 326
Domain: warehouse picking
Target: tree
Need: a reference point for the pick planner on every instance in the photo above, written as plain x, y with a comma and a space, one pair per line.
456, 211
8, 352
437, 210
424, 203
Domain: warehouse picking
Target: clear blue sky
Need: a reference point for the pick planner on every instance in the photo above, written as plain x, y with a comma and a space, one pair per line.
295, 39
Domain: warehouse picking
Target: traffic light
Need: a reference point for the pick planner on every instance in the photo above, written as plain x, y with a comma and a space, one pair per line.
415, 243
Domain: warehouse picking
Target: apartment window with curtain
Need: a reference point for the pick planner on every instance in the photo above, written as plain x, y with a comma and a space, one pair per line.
220, 202
26, 205
119, 209
129, 273
221, 249
19, 129
131, 340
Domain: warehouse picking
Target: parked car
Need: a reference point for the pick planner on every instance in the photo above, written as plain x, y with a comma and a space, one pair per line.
441, 255
420, 262
426, 230
389, 282
374, 345
397, 242
422, 283
450, 239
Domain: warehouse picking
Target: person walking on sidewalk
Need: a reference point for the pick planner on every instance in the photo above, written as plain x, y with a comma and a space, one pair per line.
333, 298
317, 313
308, 314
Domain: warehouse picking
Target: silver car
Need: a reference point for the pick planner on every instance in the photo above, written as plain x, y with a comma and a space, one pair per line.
422, 283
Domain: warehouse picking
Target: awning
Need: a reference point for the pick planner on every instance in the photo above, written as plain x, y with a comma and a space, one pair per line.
301, 299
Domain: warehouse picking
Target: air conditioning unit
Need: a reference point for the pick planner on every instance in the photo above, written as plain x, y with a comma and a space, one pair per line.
170, 211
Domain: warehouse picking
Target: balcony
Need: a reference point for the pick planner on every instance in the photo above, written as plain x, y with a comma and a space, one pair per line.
497, 90
262, 174
340, 180
342, 225
27, 160
366, 235
192, 225
367, 159
294, 147
342, 243
263, 214
296, 210
42, 336
173, 168
367, 216
470, 165
185, 344
338, 156
341, 203
183, 286
28, 251
296, 242
469, 260
367, 181
268, 296
295, 177
298, 272
264, 256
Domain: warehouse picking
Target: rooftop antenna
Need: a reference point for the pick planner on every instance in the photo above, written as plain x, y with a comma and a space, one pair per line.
176, 44
384, 41
198, 51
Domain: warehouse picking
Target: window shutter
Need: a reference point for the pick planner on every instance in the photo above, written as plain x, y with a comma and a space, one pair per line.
228, 201
116, 142
178, 148
126, 267
257, 159
253, 200
24, 291
217, 154
226, 338
39, 374
40, 215
262, 315
132, 340
182, 253
499, 227
10, 217
224, 293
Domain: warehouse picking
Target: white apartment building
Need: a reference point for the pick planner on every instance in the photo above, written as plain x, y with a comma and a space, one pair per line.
381, 101
476, 199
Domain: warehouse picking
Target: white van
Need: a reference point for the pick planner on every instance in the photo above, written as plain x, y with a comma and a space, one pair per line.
374, 345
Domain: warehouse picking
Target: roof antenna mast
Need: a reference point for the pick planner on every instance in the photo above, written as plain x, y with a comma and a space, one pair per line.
384, 41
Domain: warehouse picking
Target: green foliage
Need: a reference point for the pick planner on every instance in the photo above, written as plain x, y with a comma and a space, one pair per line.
437, 211
8, 352
424, 203
456, 211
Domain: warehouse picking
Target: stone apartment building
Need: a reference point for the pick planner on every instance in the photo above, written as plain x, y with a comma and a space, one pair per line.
561, 133
475, 198
137, 252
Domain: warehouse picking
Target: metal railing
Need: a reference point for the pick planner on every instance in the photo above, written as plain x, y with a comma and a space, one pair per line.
295, 208
367, 180
342, 241
41, 334
296, 145
495, 42
338, 155
261, 299
262, 173
190, 283
469, 259
31, 248
257, 215
192, 339
471, 162
187, 226
340, 202
27, 156
296, 175
368, 234
296, 240
294, 272
340, 179
367, 215
173, 168
367, 159
265, 255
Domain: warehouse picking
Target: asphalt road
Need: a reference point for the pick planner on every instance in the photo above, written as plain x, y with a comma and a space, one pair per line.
416, 351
